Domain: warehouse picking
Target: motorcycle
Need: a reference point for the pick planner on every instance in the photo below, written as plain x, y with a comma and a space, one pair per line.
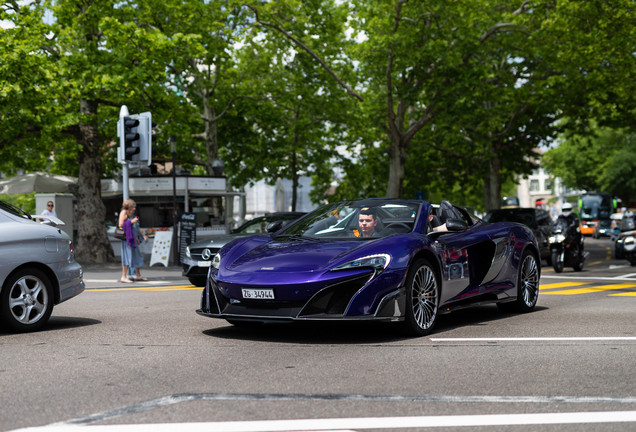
565, 249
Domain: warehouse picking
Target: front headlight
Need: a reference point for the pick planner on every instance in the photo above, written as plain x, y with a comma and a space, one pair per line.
556, 238
187, 252
377, 262
629, 243
216, 261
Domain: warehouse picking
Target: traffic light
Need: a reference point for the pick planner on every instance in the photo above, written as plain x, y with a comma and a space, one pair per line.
135, 135
131, 138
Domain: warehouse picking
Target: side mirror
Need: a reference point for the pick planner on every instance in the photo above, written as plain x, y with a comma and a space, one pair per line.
274, 226
456, 224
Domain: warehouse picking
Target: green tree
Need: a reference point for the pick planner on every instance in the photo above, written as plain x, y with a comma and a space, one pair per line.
600, 159
81, 81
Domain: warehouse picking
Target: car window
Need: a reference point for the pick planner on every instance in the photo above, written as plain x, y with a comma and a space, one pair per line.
255, 226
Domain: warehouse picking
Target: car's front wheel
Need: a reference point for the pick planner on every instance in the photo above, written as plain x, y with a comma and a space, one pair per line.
27, 300
422, 298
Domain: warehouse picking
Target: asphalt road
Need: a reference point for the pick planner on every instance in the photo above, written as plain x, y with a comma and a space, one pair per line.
137, 357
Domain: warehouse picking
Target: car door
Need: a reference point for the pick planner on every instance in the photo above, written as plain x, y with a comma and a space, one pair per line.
460, 254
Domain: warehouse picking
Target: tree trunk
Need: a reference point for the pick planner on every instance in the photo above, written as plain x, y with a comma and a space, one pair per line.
397, 156
294, 182
492, 183
92, 241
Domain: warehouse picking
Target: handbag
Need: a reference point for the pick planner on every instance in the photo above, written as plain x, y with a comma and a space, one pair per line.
119, 234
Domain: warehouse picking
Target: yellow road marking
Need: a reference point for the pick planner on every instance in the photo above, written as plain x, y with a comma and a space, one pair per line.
561, 285
625, 294
156, 288
590, 289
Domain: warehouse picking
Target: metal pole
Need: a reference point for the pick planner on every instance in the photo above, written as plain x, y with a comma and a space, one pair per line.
175, 237
123, 112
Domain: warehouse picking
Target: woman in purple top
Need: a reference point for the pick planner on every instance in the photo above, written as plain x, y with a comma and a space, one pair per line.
126, 221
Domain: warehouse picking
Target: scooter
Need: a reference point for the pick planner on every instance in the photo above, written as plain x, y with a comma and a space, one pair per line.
565, 250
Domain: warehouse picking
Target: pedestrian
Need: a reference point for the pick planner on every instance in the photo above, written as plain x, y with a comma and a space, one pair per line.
49, 210
125, 222
137, 261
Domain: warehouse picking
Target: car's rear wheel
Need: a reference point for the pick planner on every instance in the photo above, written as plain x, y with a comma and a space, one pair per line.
422, 298
27, 300
527, 283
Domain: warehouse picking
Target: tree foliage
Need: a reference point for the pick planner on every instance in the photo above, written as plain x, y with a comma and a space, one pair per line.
382, 97
601, 159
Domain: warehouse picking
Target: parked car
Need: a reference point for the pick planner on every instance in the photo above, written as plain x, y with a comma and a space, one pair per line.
538, 220
38, 268
404, 272
198, 255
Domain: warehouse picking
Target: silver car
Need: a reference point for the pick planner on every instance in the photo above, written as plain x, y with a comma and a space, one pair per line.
37, 269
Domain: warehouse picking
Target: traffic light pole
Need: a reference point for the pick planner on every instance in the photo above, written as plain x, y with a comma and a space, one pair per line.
123, 112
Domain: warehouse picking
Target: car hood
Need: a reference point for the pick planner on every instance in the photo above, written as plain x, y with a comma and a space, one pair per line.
216, 242
294, 256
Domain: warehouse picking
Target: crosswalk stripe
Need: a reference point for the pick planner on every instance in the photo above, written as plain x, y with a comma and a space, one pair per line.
590, 289
625, 294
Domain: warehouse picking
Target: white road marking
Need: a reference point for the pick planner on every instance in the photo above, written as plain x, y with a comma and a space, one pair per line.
546, 339
341, 424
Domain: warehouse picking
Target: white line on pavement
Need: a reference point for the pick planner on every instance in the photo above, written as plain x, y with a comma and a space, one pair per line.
341, 424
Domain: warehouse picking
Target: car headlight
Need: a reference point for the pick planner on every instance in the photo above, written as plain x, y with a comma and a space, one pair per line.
629, 243
377, 262
187, 252
216, 261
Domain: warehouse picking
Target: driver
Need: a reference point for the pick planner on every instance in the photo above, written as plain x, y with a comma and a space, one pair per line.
367, 221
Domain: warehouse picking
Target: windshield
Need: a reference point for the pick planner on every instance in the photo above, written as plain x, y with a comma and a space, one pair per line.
357, 219
595, 206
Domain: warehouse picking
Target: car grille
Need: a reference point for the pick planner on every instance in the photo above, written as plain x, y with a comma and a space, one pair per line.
198, 253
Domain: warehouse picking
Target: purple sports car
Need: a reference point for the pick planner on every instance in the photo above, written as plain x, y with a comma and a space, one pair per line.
374, 259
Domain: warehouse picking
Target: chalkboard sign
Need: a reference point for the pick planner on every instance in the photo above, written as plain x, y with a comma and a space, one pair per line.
187, 231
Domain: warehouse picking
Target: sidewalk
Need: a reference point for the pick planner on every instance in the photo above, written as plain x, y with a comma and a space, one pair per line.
108, 274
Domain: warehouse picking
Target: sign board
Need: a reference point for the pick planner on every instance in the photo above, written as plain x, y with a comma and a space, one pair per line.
187, 231
161, 248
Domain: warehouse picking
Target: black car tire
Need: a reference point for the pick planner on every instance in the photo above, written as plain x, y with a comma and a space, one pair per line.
527, 282
27, 300
197, 281
422, 298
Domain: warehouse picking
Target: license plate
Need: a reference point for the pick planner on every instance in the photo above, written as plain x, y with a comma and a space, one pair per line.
258, 294
204, 263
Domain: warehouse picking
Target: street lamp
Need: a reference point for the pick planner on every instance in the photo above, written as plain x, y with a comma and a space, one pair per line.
175, 237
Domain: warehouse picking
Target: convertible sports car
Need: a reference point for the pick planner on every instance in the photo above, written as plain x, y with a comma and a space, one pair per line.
421, 261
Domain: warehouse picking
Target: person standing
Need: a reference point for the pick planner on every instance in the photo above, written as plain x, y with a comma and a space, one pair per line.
125, 222
49, 210
137, 261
